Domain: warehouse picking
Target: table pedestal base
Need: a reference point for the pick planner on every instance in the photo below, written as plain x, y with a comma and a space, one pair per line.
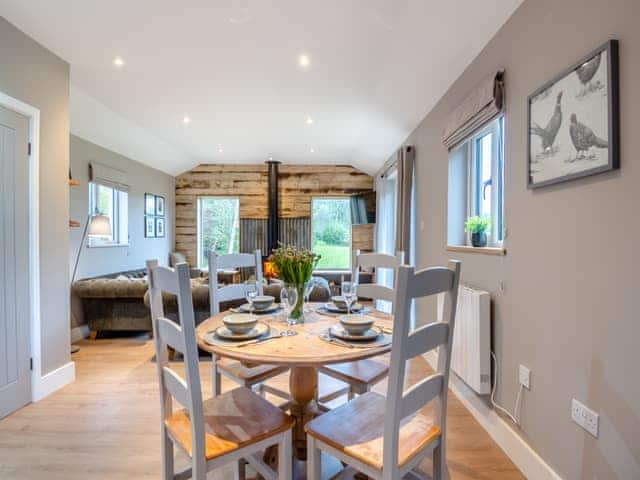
303, 385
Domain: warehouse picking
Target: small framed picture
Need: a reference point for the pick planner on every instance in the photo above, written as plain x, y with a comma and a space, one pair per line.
160, 227
150, 227
150, 204
159, 206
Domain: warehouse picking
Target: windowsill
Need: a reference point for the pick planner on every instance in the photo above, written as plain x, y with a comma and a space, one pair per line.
108, 245
499, 251
332, 270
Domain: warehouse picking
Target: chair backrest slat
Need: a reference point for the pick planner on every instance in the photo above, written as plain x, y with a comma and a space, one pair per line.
420, 394
406, 344
231, 261
431, 281
376, 260
231, 292
188, 391
425, 339
176, 386
171, 334
166, 281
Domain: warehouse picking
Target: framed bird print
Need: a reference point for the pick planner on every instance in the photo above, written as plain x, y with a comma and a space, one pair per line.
573, 121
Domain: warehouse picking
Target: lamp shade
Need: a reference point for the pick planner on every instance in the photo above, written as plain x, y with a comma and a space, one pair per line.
100, 226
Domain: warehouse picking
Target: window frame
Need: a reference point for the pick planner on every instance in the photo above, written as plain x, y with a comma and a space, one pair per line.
117, 232
496, 129
332, 197
203, 263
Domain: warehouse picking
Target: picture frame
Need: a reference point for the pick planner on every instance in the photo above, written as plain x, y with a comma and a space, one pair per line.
149, 204
160, 227
149, 226
573, 121
159, 206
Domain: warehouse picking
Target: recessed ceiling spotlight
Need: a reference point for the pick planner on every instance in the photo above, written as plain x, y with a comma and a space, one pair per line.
270, 159
311, 150
118, 62
308, 120
186, 120
304, 61
220, 150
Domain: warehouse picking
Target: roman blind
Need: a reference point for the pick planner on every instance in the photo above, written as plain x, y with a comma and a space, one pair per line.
482, 105
108, 176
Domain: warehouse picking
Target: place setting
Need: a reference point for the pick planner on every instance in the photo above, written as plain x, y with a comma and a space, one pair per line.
354, 330
245, 326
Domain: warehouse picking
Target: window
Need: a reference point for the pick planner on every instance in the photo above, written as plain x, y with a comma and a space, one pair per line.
218, 227
113, 203
331, 232
476, 184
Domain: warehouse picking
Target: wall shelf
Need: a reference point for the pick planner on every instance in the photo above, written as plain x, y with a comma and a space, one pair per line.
73, 182
74, 224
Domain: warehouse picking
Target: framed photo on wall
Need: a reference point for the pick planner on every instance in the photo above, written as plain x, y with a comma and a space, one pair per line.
159, 227
150, 227
573, 121
159, 206
149, 204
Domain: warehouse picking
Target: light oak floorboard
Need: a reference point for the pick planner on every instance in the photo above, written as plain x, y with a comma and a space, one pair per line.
106, 424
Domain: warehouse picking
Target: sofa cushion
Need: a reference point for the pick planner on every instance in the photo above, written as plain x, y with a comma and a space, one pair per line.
110, 288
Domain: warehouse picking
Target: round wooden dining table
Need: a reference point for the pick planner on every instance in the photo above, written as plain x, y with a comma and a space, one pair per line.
303, 353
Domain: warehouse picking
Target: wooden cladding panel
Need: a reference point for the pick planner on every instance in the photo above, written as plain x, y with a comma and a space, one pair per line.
362, 237
297, 185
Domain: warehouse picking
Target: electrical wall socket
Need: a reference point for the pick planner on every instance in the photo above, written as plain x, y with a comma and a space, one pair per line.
525, 377
585, 417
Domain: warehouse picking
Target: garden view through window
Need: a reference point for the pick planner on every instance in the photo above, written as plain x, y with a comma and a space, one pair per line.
331, 230
218, 227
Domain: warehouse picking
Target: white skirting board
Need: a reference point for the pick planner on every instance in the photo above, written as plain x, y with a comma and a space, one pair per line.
521, 454
52, 381
79, 333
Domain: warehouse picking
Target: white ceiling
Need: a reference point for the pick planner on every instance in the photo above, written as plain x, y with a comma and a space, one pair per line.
377, 67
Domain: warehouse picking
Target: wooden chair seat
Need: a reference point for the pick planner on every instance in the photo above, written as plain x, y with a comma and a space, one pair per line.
233, 420
362, 372
357, 429
249, 375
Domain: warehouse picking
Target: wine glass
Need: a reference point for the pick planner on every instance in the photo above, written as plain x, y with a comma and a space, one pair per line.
308, 288
250, 293
288, 300
349, 294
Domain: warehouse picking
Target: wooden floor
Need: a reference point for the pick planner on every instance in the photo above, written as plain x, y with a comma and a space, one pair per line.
106, 424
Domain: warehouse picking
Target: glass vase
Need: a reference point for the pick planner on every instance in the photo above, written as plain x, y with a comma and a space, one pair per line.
297, 313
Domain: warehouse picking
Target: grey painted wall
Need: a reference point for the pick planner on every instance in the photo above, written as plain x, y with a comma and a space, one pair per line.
34, 75
569, 310
98, 261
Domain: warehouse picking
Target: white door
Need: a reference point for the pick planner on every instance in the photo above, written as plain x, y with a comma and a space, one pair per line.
15, 374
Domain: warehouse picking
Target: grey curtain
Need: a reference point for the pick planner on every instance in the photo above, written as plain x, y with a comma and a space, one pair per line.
482, 105
405, 166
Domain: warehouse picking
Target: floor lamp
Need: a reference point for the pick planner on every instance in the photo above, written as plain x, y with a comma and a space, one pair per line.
97, 225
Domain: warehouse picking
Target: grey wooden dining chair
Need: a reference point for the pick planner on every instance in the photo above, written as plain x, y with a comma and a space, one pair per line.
225, 429
362, 375
250, 377
385, 438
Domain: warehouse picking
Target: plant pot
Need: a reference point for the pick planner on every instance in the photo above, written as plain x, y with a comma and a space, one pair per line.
479, 239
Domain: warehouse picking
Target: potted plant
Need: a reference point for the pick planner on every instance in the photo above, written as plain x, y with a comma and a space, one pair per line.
478, 226
294, 268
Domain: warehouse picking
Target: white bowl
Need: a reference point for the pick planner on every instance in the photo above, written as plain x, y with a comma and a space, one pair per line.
356, 324
262, 302
240, 322
339, 302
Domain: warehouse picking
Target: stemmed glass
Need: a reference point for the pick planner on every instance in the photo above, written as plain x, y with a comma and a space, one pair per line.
308, 288
349, 294
288, 300
250, 293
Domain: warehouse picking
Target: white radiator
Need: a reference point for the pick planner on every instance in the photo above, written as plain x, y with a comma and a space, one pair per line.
471, 359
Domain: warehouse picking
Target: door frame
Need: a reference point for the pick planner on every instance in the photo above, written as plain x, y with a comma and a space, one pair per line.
39, 387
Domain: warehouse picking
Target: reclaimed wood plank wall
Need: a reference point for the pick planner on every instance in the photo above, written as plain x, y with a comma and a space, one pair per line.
298, 185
